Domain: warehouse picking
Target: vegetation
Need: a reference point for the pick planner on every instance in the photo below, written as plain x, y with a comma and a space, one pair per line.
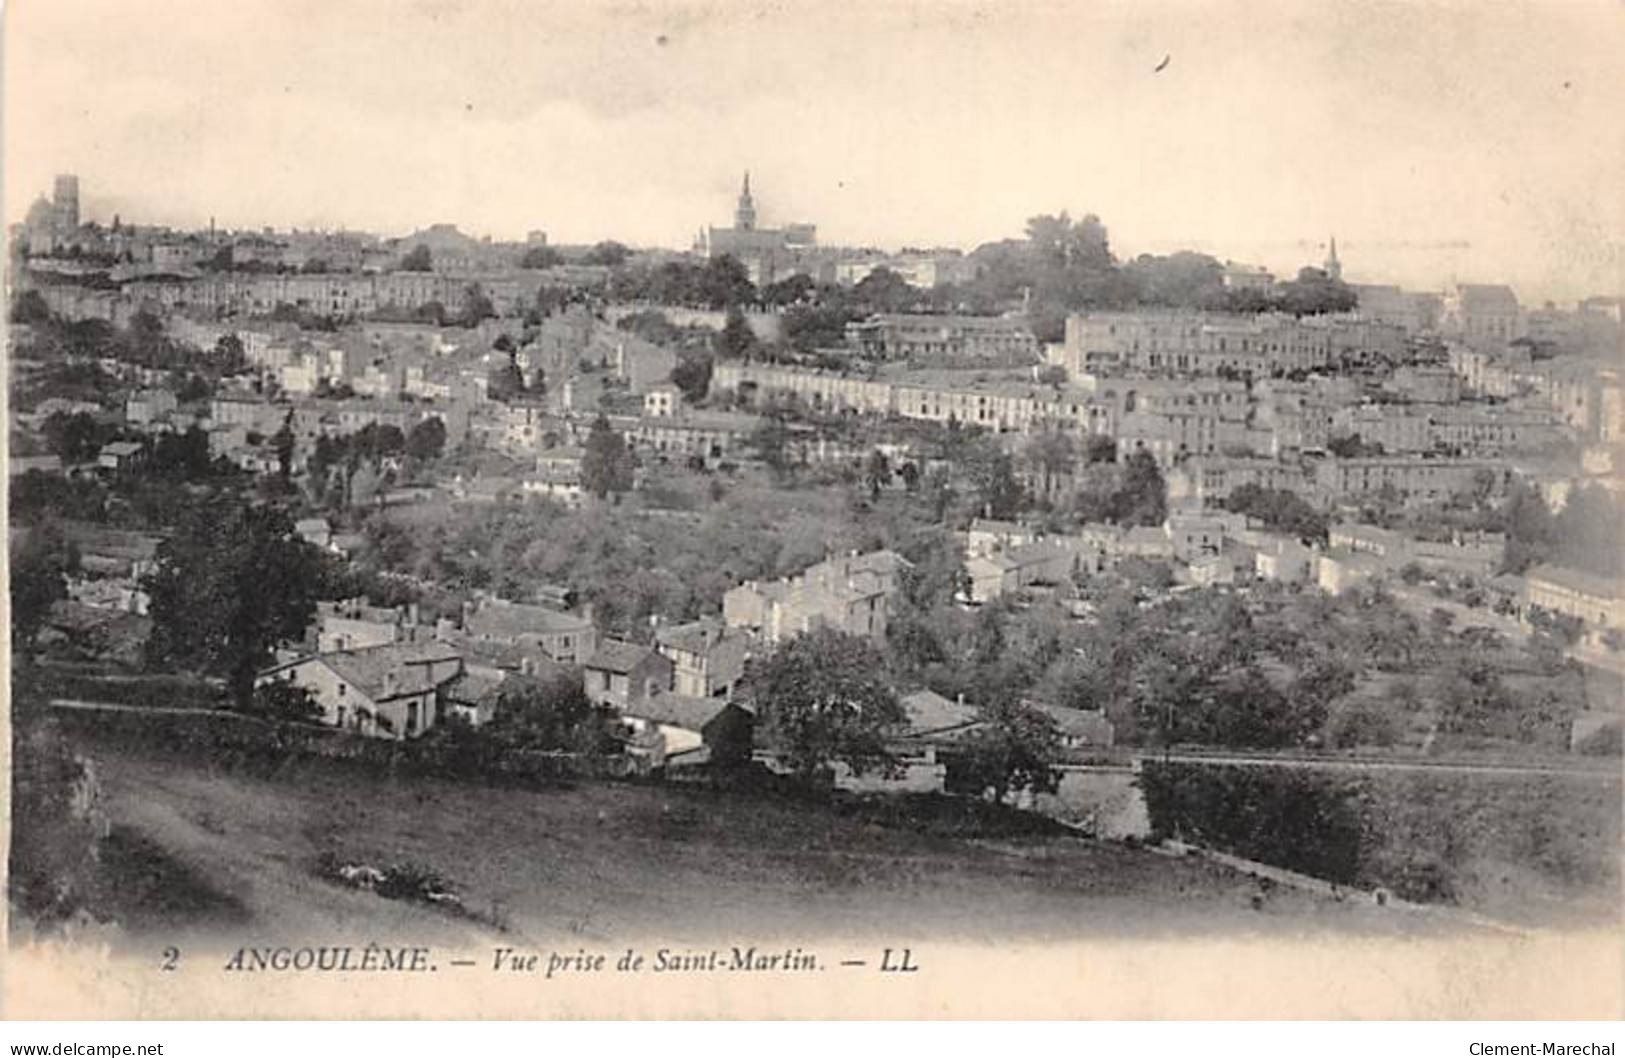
821, 698
233, 582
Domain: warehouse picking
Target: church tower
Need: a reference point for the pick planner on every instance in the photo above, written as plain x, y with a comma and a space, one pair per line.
1334, 267
745, 212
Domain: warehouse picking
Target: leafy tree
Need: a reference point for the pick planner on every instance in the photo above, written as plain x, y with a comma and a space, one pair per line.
1016, 748
281, 700
883, 290
232, 583
427, 439
505, 381
877, 472
76, 437
692, 375
539, 257
1142, 496
30, 306
1051, 454
477, 306
770, 441
606, 464
548, 715
282, 444
418, 259
725, 284
41, 560
992, 473
821, 699
608, 252
736, 339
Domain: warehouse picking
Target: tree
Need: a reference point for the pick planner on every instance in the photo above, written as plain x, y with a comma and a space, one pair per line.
736, 339
282, 444
606, 465
281, 700
820, 699
992, 472
30, 307
1142, 495
418, 259
232, 583
477, 306
692, 375
1015, 748
877, 472
539, 257
725, 284
609, 252
427, 439
75, 437
41, 560
770, 441
1052, 454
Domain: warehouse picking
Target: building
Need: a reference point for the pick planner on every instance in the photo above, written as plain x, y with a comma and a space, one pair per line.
624, 676
944, 341
707, 661
394, 691
671, 728
768, 254
849, 593
1483, 312
1412, 478
1598, 601
564, 637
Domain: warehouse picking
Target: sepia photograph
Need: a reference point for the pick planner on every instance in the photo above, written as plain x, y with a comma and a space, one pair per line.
731, 510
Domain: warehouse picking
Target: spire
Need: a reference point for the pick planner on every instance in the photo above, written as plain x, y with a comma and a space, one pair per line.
1334, 267
745, 213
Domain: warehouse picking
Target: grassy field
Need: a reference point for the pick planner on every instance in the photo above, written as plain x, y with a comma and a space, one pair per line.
606, 862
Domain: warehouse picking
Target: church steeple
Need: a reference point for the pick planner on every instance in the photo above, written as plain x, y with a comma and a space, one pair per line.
1334, 267
745, 212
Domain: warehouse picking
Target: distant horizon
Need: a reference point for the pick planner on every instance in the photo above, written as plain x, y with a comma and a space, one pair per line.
1437, 144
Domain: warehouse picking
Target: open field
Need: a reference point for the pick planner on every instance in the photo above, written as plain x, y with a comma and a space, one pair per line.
605, 862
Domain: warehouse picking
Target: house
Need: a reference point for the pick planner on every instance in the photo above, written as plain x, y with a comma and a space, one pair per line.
149, 406
678, 728
1080, 728
392, 691
987, 536
1044, 562
351, 624
850, 593
314, 531
1209, 570
1597, 601
933, 723
1339, 570
707, 661
1283, 560
474, 695
624, 676
564, 637
121, 456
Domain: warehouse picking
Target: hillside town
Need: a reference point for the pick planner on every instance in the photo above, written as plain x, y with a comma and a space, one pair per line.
1020, 512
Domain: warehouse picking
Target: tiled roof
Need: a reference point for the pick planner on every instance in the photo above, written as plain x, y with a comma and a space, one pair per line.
615, 655
501, 620
930, 713
678, 710
368, 668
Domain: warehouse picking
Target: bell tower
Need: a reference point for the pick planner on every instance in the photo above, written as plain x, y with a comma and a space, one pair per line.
745, 212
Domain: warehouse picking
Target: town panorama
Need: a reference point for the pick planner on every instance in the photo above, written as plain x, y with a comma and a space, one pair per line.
462, 589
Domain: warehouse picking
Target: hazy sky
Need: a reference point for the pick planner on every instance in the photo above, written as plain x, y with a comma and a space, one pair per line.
1479, 140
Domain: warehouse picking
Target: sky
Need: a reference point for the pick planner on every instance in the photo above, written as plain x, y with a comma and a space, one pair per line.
1474, 142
